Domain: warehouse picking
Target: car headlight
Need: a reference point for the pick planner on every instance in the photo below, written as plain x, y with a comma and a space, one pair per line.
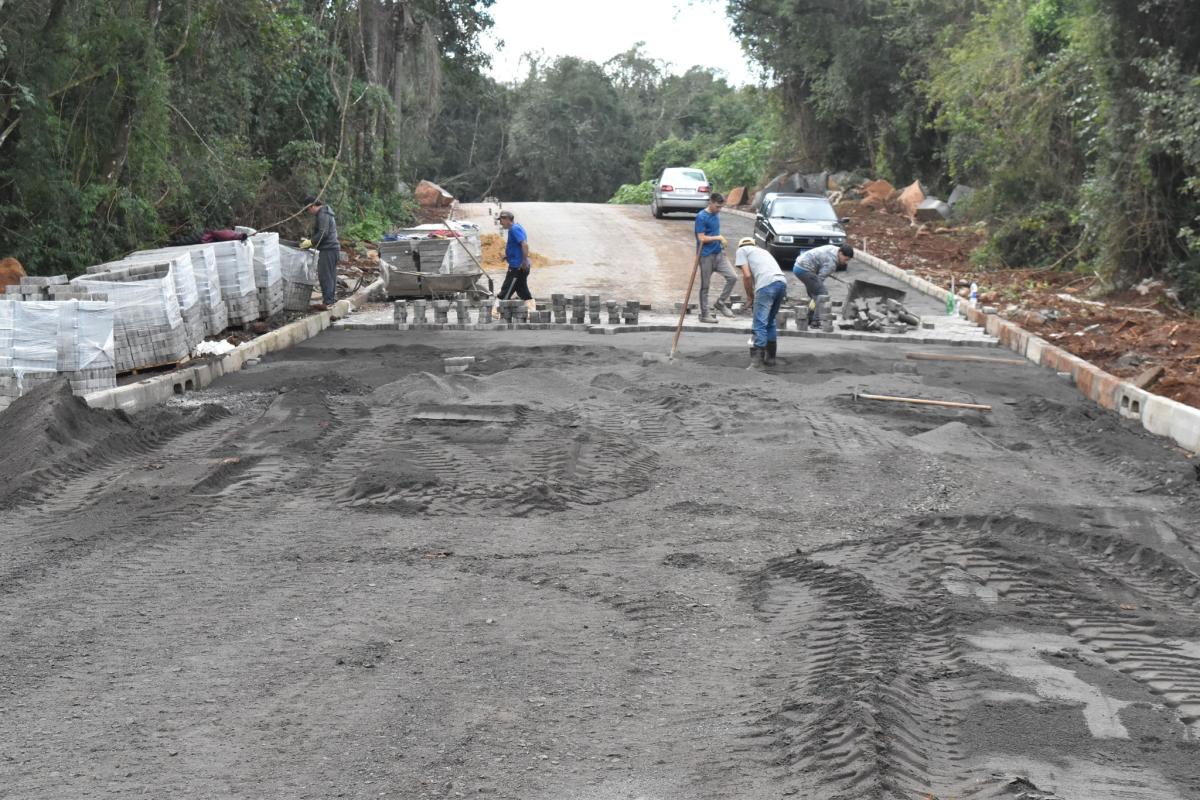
837, 240
784, 239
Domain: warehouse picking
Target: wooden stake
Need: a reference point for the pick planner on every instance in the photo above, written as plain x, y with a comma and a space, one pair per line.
920, 402
969, 359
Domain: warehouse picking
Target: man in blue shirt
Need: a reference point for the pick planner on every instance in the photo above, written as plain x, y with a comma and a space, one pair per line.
516, 253
711, 244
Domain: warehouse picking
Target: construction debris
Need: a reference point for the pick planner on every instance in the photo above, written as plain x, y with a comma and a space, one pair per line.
874, 307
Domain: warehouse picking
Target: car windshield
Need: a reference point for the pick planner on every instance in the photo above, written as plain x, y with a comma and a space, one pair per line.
802, 208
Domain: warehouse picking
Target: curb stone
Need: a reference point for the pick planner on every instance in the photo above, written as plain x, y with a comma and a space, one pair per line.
1159, 415
151, 391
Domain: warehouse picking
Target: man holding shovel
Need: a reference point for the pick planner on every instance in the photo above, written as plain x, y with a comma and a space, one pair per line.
711, 245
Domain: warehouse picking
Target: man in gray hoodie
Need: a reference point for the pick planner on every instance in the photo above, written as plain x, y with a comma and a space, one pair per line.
325, 240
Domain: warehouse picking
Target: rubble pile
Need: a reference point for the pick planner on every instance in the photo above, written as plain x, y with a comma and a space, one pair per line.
880, 314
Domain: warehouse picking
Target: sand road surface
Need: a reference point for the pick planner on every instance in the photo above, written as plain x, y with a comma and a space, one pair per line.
342, 573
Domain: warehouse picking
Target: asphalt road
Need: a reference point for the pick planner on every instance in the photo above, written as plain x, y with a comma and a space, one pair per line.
566, 575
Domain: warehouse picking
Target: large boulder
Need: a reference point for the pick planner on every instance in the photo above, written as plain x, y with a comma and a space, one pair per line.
776, 184
911, 198
959, 194
815, 182
842, 181
11, 272
429, 195
794, 183
736, 196
876, 194
932, 209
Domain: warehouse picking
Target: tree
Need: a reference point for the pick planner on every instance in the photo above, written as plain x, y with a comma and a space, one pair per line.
570, 134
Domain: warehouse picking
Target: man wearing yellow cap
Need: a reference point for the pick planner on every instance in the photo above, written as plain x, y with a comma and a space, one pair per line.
768, 286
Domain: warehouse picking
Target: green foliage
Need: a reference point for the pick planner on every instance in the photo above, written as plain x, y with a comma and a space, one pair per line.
634, 194
670, 152
125, 125
740, 163
570, 134
1076, 119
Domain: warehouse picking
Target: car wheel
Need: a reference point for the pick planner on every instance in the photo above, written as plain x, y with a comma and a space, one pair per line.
655, 210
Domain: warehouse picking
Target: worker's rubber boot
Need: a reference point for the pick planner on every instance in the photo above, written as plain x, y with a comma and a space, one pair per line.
724, 309
769, 355
756, 357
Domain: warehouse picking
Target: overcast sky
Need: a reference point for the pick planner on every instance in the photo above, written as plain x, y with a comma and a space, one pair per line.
682, 32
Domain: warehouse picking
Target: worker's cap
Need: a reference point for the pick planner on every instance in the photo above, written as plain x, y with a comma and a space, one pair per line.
310, 200
746, 241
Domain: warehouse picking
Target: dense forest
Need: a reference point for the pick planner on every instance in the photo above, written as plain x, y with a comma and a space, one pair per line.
129, 122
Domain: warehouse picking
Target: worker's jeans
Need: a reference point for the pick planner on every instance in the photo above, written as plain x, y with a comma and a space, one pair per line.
516, 280
327, 261
719, 264
766, 306
814, 284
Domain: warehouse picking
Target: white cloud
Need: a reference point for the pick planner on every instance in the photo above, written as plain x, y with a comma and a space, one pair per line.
684, 33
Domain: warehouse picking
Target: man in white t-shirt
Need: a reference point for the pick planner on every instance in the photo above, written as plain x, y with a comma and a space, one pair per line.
766, 283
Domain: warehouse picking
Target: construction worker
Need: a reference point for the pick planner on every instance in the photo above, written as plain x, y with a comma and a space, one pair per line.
516, 253
711, 244
768, 286
325, 240
812, 267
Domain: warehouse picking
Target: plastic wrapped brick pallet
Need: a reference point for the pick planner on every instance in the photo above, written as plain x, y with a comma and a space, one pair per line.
299, 269
194, 318
208, 282
268, 277
148, 329
41, 340
235, 263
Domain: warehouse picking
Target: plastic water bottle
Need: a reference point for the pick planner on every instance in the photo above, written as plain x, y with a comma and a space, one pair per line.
974, 298
951, 300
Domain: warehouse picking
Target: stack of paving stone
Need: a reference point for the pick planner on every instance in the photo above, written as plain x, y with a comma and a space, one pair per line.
42, 340
53, 288
208, 282
195, 320
148, 327
299, 270
268, 275
235, 264
512, 311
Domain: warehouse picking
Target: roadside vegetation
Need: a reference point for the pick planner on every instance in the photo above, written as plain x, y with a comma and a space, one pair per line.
1075, 119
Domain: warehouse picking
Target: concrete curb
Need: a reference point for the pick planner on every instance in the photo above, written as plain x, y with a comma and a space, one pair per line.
1159, 415
151, 391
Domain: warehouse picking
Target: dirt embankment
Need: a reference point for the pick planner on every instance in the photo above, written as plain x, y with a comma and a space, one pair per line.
1127, 333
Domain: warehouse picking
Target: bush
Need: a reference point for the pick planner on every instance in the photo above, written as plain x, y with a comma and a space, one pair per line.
632, 194
741, 163
670, 152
